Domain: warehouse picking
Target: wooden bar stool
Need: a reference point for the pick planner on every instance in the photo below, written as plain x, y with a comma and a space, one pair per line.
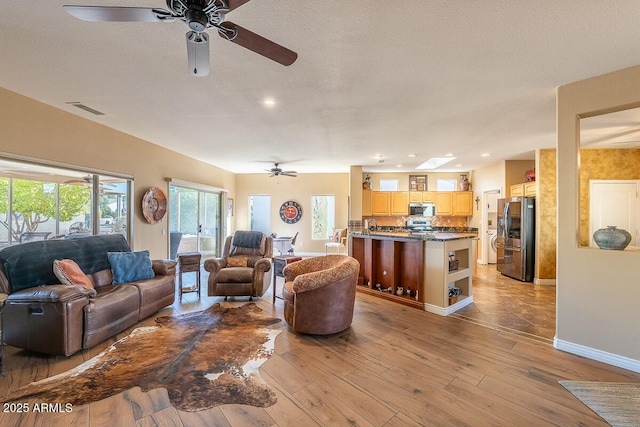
189, 262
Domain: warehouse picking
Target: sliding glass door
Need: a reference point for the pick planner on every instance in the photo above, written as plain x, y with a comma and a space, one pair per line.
194, 221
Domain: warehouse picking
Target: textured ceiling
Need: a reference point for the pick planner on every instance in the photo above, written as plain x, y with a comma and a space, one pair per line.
372, 78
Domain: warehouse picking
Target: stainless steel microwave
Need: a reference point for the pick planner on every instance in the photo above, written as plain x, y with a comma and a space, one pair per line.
422, 209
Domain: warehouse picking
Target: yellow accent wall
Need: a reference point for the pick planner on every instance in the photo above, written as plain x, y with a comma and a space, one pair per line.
603, 164
546, 215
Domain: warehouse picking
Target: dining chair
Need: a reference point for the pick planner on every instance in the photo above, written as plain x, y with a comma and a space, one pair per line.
293, 243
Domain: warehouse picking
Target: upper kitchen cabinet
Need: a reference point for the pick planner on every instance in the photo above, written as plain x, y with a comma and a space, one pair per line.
422, 196
399, 203
463, 203
380, 202
524, 189
366, 202
454, 203
444, 203
386, 203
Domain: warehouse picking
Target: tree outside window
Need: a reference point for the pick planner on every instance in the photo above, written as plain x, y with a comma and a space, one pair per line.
34, 204
323, 216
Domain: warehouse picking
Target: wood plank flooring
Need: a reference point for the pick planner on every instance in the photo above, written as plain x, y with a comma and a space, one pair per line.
396, 366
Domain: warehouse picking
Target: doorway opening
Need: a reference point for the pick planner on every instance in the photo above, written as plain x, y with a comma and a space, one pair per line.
488, 227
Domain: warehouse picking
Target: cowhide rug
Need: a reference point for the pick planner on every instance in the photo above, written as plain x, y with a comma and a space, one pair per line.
203, 359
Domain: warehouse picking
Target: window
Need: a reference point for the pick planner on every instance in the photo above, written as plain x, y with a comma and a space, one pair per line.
446, 184
39, 202
323, 216
388, 185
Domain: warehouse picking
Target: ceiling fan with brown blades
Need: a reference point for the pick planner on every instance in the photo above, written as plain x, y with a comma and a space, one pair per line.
277, 171
199, 15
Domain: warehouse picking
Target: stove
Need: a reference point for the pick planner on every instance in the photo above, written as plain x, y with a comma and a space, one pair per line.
418, 226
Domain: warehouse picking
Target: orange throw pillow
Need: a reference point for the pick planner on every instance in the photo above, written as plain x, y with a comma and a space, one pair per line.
70, 273
237, 261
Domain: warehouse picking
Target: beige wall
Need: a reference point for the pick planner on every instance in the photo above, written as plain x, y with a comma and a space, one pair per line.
38, 131
514, 171
597, 290
300, 189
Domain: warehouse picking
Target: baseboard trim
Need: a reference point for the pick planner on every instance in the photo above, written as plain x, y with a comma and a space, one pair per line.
544, 282
599, 355
445, 311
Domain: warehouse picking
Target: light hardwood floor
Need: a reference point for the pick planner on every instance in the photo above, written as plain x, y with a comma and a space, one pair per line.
396, 366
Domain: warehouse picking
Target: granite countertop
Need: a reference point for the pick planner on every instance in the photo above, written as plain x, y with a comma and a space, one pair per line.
405, 235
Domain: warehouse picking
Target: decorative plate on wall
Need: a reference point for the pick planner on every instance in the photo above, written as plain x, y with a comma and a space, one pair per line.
290, 212
154, 205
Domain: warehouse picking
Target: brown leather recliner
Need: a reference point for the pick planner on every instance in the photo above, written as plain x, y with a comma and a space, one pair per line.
244, 269
319, 294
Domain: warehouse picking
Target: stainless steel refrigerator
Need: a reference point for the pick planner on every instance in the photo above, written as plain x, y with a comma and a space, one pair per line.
516, 237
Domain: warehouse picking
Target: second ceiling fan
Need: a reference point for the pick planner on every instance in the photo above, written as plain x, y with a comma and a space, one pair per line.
199, 15
277, 171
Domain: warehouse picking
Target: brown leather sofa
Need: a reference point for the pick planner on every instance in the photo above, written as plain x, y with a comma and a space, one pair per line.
244, 269
45, 316
319, 294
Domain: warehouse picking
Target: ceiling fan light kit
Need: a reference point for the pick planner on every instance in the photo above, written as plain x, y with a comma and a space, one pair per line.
199, 15
277, 171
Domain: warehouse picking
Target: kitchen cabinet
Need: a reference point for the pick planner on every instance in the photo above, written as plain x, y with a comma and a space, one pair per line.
399, 203
463, 203
380, 203
444, 203
386, 203
517, 190
524, 189
454, 203
366, 202
530, 189
422, 196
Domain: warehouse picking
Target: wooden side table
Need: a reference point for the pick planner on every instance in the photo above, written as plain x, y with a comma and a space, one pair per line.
279, 262
189, 262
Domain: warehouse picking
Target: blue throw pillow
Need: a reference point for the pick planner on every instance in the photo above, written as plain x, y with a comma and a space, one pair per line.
130, 266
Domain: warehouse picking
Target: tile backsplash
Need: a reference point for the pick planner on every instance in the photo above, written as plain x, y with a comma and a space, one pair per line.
436, 221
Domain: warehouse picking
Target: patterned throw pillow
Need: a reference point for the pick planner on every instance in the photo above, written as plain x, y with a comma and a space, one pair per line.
70, 273
237, 261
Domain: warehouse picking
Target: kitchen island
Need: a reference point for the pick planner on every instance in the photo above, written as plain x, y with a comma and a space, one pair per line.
414, 268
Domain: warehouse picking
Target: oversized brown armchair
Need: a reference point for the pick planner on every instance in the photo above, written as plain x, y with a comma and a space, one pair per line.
244, 269
319, 294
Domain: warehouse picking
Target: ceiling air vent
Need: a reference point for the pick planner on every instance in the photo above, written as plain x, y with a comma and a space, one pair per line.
85, 108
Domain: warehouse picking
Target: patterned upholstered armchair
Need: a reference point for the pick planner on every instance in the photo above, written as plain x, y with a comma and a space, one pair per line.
244, 269
319, 294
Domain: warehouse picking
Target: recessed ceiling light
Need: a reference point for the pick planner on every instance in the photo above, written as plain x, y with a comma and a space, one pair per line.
485, 154
398, 166
459, 165
269, 102
413, 155
435, 162
449, 155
